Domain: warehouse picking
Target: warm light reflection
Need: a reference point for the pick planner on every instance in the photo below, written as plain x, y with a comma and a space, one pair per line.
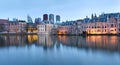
32, 38
93, 42
102, 41
63, 39
98, 42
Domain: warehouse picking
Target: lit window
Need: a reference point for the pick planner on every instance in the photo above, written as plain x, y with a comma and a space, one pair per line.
89, 30
112, 30
98, 30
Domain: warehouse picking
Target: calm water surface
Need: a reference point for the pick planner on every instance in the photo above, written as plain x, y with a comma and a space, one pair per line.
59, 50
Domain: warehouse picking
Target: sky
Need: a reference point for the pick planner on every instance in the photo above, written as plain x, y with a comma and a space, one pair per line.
67, 9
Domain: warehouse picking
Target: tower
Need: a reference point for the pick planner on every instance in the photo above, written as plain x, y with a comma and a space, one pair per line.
57, 18
51, 18
29, 19
45, 17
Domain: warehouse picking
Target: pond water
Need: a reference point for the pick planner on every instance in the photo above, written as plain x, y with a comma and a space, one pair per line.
59, 50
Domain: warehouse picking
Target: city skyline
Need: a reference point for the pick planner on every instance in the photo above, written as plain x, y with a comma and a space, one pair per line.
67, 9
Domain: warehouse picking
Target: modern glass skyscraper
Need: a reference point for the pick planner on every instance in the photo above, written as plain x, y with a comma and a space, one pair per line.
51, 18
38, 20
29, 19
57, 18
45, 17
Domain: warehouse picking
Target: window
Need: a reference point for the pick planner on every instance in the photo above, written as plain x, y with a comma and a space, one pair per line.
111, 25
89, 30
102, 26
111, 30
98, 30
105, 30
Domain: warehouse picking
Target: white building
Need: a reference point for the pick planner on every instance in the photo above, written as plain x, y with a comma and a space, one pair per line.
44, 28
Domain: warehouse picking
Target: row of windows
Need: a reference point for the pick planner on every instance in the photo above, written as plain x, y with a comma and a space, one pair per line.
112, 25
41, 26
42, 30
103, 30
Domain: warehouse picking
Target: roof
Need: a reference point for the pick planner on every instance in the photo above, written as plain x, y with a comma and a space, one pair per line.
3, 21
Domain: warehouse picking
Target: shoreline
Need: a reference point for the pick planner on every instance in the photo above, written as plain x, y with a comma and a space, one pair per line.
86, 34
17, 33
60, 34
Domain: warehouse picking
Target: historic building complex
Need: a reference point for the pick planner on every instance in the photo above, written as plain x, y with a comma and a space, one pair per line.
103, 24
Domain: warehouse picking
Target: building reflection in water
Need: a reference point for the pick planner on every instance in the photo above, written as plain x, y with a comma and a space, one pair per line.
45, 40
7, 40
103, 42
110, 43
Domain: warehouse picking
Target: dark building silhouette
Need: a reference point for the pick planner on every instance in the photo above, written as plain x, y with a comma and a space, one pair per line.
45, 17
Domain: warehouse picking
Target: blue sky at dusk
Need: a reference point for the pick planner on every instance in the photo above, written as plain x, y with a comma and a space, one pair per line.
67, 9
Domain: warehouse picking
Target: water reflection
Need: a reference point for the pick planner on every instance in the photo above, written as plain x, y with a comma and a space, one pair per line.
110, 43
45, 40
16, 40
32, 38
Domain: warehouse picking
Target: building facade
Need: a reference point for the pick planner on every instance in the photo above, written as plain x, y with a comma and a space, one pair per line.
13, 27
106, 24
4, 25
22, 26
18, 26
44, 28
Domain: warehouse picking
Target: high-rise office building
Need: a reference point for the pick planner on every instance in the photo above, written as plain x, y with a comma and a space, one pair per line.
51, 18
45, 17
29, 19
38, 20
57, 18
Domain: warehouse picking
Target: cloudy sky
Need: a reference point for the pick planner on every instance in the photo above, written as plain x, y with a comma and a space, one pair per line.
67, 9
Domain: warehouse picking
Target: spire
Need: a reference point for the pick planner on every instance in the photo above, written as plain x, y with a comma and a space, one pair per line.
92, 16
95, 15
